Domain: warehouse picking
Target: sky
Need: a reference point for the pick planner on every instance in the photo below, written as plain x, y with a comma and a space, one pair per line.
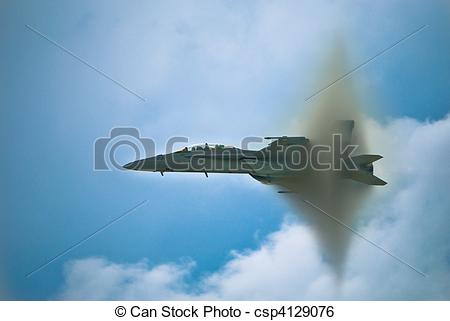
214, 71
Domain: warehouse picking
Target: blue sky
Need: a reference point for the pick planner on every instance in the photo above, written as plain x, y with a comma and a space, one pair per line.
210, 70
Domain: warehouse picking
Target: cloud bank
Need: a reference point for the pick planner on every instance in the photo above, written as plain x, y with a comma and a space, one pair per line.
409, 217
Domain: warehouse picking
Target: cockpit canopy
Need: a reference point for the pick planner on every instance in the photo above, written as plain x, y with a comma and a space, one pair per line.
203, 147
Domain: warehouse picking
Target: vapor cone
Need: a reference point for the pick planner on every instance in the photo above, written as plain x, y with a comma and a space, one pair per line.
338, 197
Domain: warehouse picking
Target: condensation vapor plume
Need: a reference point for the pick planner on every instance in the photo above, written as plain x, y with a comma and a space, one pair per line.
339, 197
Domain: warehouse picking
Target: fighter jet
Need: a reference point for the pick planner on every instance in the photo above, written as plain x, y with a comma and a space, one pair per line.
285, 159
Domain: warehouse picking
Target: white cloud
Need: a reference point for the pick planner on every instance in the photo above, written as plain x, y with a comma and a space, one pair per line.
97, 278
409, 217
207, 61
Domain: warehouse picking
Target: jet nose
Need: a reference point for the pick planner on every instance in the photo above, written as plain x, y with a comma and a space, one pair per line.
151, 164
136, 165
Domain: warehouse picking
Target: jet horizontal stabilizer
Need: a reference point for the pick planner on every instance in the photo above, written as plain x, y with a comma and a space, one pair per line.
366, 178
365, 159
364, 174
